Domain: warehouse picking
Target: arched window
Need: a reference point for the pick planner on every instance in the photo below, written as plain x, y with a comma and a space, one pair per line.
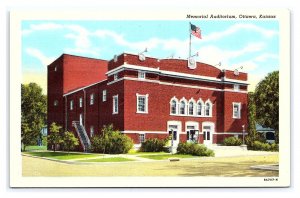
191, 108
182, 107
208, 108
199, 108
173, 106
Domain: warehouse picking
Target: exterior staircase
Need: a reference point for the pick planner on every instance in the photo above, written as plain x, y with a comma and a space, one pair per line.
83, 137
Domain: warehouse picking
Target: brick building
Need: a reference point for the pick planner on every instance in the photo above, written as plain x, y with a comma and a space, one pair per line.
146, 97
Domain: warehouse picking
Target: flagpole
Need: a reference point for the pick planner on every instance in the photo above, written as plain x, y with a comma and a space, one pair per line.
190, 44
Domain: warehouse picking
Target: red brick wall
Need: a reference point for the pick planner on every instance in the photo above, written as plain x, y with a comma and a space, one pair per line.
82, 71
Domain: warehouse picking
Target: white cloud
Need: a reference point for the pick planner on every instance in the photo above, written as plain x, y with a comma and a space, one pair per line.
212, 54
236, 28
41, 27
39, 55
266, 56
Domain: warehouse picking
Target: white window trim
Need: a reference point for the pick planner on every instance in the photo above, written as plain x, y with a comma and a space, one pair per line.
202, 107
176, 108
92, 99
146, 103
92, 131
80, 102
116, 76
113, 110
71, 104
186, 106
210, 109
236, 87
140, 138
104, 98
141, 75
239, 110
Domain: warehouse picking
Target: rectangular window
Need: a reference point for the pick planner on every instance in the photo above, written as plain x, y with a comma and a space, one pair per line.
236, 110
142, 137
80, 102
71, 105
115, 104
116, 76
141, 75
142, 103
104, 95
92, 131
92, 97
236, 87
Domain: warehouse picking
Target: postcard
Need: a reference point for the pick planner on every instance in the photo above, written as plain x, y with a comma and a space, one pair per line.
143, 99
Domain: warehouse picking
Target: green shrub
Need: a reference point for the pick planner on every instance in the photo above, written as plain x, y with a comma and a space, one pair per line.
111, 142
194, 149
232, 141
260, 146
153, 145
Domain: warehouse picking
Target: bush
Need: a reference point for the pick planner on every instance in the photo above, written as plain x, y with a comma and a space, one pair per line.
260, 146
153, 145
194, 149
111, 142
232, 141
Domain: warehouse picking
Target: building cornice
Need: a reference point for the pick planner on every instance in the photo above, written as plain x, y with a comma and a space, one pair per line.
174, 74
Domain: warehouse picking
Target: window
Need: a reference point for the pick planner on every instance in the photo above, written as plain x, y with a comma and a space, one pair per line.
80, 102
142, 137
142, 103
236, 87
208, 108
141, 75
115, 104
173, 106
199, 108
92, 97
236, 111
92, 131
55, 68
182, 107
55, 103
191, 108
104, 95
71, 105
116, 76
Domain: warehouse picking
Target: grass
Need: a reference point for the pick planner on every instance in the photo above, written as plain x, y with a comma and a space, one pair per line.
40, 148
110, 159
166, 156
62, 155
144, 153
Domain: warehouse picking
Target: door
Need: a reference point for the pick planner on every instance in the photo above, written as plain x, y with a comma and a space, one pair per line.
80, 119
207, 135
173, 132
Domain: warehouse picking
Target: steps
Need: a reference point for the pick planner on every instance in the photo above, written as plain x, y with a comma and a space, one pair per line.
83, 137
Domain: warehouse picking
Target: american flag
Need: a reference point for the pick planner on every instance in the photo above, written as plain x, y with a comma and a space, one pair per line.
196, 31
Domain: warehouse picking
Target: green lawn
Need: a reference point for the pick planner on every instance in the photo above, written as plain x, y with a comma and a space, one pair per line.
31, 148
110, 159
144, 153
62, 155
166, 156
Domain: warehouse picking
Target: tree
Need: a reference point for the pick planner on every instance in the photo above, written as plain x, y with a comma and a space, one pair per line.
27, 136
55, 137
267, 101
70, 141
111, 141
252, 133
33, 112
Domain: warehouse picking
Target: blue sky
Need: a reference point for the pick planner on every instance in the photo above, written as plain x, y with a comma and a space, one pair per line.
251, 44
